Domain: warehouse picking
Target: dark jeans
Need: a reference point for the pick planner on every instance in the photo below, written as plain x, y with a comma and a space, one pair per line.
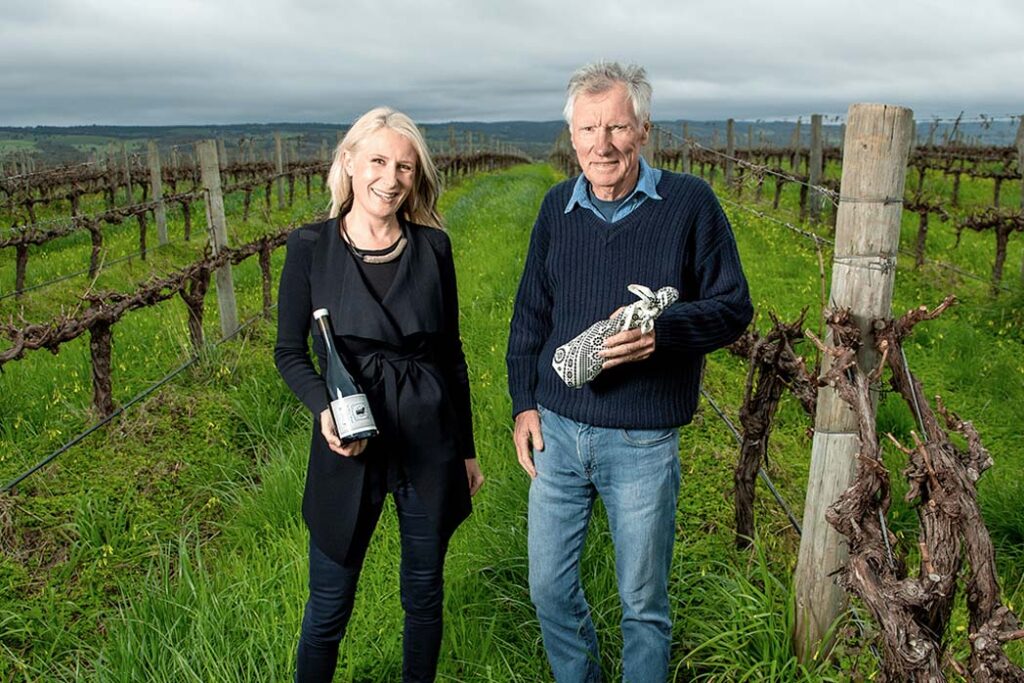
332, 589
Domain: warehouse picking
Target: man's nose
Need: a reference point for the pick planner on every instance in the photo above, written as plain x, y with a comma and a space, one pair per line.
603, 142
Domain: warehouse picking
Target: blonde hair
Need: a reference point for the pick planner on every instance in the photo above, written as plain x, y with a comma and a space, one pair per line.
421, 204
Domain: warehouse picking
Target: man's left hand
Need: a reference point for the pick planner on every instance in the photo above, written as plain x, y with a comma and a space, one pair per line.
628, 346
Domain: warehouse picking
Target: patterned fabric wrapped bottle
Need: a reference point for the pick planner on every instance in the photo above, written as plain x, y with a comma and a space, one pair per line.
577, 362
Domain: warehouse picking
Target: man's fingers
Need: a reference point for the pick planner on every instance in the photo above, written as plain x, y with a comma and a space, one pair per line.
526, 462
624, 337
527, 438
523, 452
536, 438
635, 347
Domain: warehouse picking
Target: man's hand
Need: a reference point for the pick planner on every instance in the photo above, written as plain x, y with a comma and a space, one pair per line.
331, 437
474, 475
628, 346
528, 438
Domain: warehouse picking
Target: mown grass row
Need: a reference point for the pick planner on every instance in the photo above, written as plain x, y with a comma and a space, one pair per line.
171, 548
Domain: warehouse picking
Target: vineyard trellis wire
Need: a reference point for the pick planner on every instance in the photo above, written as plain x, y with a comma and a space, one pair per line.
81, 436
836, 199
191, 284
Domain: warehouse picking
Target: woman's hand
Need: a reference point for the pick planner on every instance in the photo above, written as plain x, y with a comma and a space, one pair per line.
474, 475
334, 443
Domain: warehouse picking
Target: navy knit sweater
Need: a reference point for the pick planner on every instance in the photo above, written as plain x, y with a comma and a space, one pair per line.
576, 273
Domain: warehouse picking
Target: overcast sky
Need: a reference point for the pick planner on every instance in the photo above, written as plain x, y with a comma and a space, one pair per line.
65, 62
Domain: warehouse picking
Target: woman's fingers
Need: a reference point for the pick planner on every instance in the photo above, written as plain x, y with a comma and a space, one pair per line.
333, 442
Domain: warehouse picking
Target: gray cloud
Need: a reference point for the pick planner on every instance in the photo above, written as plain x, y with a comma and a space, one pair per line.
215, 61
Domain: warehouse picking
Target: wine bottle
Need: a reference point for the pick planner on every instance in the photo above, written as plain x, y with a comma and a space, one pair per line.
349, 408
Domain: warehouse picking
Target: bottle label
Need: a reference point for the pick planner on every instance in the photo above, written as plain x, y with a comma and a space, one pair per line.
352, 415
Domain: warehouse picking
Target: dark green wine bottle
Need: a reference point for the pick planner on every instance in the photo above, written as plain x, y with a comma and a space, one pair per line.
349, 408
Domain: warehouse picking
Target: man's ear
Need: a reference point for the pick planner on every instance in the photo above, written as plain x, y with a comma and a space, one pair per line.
646, 132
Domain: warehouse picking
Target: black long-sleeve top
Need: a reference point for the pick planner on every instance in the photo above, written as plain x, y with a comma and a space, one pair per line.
404, 350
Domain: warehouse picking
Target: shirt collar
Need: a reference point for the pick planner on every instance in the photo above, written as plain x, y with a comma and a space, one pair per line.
647, 183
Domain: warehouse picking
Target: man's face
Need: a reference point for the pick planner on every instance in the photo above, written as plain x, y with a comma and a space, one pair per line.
607, 138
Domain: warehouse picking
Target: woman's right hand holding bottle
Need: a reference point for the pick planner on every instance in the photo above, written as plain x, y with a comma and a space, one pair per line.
334, 442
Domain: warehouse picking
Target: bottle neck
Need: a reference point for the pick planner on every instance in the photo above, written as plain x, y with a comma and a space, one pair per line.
325, 332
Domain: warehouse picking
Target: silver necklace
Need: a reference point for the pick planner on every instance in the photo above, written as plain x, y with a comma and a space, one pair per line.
396, 249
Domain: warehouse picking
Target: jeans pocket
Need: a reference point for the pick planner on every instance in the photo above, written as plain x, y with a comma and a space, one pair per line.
649, 437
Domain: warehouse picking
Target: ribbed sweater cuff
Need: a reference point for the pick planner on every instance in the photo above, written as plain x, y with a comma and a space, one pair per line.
520, 387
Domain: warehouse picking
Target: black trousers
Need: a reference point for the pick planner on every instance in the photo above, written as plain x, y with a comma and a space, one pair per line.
332, 589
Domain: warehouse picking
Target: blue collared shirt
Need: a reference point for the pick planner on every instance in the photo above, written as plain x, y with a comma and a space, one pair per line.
646, 188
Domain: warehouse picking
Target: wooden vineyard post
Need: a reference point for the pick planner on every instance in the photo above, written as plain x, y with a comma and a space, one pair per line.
111, 169
279, 150
218, 234
686, 148
730, 151
1020, 158
863, 271
222, 153
1020, 170
128, 199
814, 169
156, 185
794, 143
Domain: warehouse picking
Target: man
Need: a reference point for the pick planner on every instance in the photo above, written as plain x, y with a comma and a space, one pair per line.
620, 222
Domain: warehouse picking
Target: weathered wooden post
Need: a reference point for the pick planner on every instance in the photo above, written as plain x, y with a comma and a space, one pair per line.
222, 154
794, 143
1020, 157
863, 271
1020, 170
210, 173
279, 151
815, 168
128, 200
156, 188
686, 148
730, 151
111, 171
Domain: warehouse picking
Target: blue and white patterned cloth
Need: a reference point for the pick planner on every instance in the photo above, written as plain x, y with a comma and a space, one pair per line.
577, 362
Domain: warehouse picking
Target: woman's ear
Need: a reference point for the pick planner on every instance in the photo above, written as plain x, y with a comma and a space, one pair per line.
346, 160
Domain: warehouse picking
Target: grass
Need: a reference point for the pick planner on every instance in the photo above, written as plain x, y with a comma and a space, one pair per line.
170, 547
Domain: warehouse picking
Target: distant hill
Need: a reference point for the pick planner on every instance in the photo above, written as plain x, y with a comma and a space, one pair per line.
52, 145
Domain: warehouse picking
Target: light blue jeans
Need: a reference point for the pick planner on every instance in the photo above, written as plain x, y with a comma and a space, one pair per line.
636, 473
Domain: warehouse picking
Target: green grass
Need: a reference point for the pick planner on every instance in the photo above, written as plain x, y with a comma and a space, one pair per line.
170, 548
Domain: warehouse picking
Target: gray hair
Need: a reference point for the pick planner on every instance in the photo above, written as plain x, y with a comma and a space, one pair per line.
601, 76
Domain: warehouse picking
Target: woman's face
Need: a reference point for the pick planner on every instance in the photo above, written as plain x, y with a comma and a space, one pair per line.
383, 170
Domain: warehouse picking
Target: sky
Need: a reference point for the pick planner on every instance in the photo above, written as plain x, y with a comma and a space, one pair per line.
141, 62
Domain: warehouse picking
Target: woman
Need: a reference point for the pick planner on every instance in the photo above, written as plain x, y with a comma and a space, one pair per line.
383, 269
